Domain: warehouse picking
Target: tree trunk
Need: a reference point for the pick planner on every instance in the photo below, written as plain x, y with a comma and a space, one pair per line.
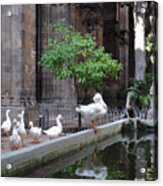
140, 54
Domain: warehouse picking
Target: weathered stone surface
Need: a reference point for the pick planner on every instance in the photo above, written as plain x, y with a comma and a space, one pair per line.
12, 53
29, 20
32, 114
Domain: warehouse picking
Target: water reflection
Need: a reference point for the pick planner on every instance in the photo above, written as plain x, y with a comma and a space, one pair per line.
92, 167
119, 157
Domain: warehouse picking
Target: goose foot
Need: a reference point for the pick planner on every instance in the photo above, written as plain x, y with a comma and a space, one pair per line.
15, 147
36, 141
96, 130
23, 145
12, 149
5, 134
51, 138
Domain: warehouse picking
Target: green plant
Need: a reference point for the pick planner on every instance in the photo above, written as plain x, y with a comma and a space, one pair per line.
114, 173
149, 44
150, 174
74, 55
144, 87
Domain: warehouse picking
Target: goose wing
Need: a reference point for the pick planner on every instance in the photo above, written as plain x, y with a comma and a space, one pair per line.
89, 111
52, 131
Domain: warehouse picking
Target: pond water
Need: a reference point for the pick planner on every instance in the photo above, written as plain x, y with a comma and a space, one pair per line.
131, 156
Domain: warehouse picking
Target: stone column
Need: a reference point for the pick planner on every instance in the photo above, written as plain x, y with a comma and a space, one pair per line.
29, 19
12, 54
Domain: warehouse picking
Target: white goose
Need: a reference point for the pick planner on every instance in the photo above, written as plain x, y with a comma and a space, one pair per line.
15, 139
93, 111
21, 126
6, 125
55, 131
35, 132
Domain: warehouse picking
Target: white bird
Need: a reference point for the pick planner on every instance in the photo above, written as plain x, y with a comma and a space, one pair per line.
21, 126
6, 125
55, 131
93, 111
15, 139
35, 132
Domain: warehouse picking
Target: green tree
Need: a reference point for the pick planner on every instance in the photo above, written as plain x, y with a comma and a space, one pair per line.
74, 55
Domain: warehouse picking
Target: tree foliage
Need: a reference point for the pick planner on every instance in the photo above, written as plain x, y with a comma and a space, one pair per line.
75, 55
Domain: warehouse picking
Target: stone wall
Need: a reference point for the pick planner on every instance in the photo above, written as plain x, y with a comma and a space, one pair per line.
12, 61
25, 33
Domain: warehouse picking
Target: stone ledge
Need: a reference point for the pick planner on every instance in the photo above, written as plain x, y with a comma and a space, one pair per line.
30, 157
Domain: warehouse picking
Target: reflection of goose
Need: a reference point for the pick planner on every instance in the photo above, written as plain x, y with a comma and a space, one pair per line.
93, 111
93, 168
6, 125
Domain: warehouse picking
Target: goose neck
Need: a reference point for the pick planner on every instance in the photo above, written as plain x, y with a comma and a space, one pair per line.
14, 131
7, 116
31, 126
22, 121
59, 124
103, 104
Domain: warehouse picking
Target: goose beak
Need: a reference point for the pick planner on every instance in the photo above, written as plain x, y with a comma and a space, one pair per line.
61, 118
18, 117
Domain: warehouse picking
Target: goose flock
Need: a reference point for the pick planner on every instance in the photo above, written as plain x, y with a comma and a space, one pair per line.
17, 132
